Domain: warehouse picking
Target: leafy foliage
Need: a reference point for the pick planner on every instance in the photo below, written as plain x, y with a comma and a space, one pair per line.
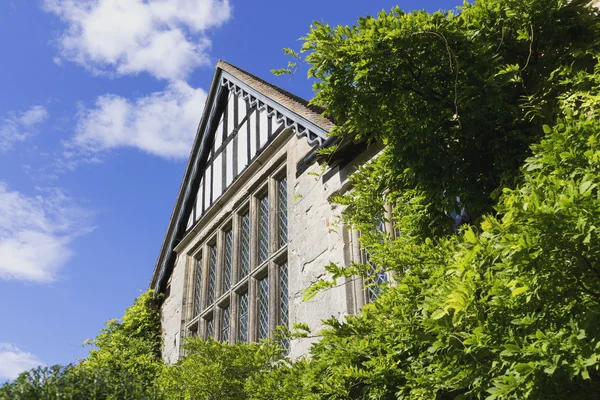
509, 311
457, 97
123, 366
129, 347
214, 370
491, 113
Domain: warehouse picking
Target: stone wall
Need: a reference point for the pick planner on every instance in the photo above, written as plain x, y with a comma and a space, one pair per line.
315, 240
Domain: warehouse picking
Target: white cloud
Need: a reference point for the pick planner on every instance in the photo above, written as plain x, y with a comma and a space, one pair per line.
163, 123
13, 361
166, 38
36, 233
18, 127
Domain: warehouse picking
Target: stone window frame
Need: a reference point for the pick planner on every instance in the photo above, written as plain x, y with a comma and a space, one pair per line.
356, 254
278, 255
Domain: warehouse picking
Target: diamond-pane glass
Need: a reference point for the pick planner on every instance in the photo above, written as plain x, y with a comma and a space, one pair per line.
263, 229
377, 277
212, 274
284, 310
198, 288
228, 257
263, 308
245, 246
282, 212
209, 328
225, 325
243, 318
284, 318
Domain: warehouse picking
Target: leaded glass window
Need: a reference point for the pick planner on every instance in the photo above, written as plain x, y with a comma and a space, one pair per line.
284, 318
225, 314
282, 212
198, 288
245, 251
284, 310
263, 229
212, 274
209, 324
243, 318
377, 275
245, 246
263, 308
227, 262
376, 278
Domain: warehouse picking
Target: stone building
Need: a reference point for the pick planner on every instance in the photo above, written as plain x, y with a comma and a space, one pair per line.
253, 225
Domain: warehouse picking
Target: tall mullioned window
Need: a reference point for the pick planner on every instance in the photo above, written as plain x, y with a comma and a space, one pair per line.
368, 287
245, 246
225, 324
212, 274
209, 328
378, 275
376, 278
284, 305
263, 229
243, 313
263, 308
246, 272
227, 260
198, 288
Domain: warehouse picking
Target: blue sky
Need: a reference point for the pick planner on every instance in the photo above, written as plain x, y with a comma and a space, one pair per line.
99, 102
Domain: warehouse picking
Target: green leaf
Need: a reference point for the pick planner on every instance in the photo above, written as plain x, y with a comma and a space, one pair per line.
523, 368
519, 290
439, 314
470, 236
586, 187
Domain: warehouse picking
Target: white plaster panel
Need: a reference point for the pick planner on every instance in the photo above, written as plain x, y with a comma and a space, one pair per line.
229, 161
242, 148
199, 200
264, 128
219, 134
242, 109
253, 133
218, 177
230, 112
207, 183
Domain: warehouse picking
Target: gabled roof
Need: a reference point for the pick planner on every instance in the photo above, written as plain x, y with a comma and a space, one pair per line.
289, 109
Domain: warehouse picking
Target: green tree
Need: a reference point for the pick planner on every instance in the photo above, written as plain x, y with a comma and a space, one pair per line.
127, 352
123, 365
